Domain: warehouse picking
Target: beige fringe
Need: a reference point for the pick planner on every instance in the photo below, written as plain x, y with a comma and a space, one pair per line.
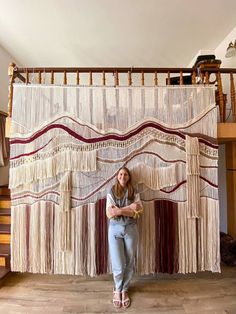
146, 246
199, 245
155, 178
209, 230
34, 239
65, 211
91, 261
51, 167
187, 241
193, 176
18, 239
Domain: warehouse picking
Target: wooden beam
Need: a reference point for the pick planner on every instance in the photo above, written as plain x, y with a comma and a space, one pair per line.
226, 132
231, 187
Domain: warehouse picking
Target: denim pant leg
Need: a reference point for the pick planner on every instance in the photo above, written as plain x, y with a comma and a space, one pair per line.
131, 240
117, 254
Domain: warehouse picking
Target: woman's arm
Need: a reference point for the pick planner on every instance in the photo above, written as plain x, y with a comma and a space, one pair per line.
133, 210
109, 205
129, 211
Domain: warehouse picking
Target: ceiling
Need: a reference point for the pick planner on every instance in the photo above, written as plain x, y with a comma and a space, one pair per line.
113, 33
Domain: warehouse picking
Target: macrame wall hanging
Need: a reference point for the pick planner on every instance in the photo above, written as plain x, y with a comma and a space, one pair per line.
67, 144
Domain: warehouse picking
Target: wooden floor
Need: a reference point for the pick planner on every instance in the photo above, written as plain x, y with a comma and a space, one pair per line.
49, 294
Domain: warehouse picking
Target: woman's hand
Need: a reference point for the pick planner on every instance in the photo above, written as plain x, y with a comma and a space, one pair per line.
114, 211
135, 206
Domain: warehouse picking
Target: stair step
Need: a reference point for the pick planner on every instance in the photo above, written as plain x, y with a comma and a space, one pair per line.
5, 220
5, 261
5, 216
4, 190
5, 203
5, 212
5, 229
5, 249
5, 238
4, 197
4, 271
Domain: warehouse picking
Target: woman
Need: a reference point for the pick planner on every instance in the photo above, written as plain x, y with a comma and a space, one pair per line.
123, 208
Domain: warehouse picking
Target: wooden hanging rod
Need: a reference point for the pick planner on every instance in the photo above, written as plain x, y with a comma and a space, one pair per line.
119, 70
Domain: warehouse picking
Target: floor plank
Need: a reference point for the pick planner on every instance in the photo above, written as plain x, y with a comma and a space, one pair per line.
177, 294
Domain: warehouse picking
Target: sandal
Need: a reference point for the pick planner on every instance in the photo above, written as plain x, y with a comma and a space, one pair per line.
125, 302
117, 299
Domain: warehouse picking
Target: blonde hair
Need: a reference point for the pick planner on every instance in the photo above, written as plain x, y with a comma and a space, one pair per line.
119, 191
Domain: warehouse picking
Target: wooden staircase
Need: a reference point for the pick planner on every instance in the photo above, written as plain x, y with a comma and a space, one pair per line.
5, 231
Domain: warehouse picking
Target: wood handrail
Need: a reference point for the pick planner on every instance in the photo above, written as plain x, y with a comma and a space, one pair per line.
119, 69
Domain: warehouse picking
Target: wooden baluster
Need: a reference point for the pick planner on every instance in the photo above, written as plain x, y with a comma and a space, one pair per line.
52, 77
65, 78
194, 81
10, 97
40, 77
90, 78
26, 76
168, 78
221, 98
142, 78
155, 79
129, 78
207, 77
202, 77
181, 79
77, 78
103, 78
116, 78
232, 94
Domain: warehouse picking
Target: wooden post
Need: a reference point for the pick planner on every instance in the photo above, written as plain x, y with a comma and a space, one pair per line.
52, 77
116, 78
27, 76
77, 78
65, 78
10, 97
90, 78
221, 98
232, 94
40, 78
155, 79
129, 78
231, 187
103, 78
181, 79
142, 78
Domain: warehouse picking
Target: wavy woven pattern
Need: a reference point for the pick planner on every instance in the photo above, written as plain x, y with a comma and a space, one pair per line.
67, 144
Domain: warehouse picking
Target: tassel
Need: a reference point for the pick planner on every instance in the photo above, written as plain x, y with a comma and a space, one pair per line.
193, 176
65, 212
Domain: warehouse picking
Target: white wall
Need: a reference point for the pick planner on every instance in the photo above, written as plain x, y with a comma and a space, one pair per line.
5, 60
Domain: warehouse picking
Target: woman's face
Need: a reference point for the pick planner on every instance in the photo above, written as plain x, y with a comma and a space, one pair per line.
123, 177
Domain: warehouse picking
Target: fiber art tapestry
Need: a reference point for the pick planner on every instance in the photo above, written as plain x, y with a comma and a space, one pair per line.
67, 145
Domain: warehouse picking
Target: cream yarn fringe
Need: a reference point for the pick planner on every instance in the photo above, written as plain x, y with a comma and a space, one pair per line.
199, 245
29, 172
193, 176
65, 211
198, 239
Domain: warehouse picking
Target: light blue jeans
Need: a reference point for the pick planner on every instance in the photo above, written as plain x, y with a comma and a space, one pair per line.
123, 241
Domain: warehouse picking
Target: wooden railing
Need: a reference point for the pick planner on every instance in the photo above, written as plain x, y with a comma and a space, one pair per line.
197, 75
